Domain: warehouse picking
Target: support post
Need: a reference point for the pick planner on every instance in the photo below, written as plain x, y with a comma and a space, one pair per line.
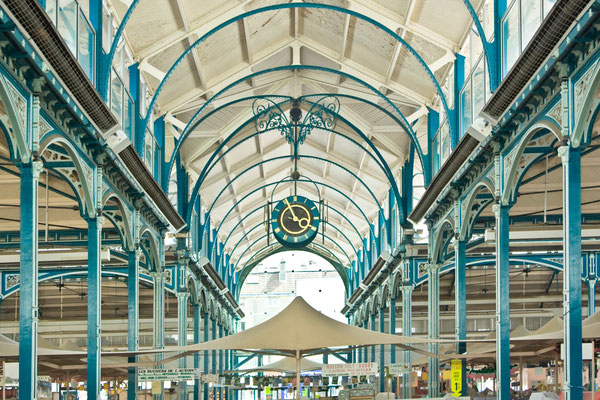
94, 312
382, 348
502, 302
571, 162
460, 293
407, 331
197, 354
133, 331
220, 369
392, 327
158, 310
205, 353
591, 297
182, 303
373, 328
28, 269
433, 300
213, 356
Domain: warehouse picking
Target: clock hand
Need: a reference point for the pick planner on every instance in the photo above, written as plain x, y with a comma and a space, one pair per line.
295, 219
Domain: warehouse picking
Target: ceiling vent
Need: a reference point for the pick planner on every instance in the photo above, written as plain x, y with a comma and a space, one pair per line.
134, 163
560, 18
30, 15
462, 151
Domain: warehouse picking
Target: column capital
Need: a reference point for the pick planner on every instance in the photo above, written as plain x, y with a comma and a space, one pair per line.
430, 267
407, 289
563, 153
158, 275
497, 208
182, 295
37, 168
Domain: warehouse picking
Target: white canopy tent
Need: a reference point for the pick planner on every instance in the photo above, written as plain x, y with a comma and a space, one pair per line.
300, 330
286, 364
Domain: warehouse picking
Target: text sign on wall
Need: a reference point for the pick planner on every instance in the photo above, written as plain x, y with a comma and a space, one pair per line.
174, 374
398, 369
354, 369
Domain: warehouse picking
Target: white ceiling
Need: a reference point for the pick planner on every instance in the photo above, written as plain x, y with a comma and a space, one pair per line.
160, 31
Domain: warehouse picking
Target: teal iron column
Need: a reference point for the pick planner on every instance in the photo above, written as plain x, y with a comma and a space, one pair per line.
213, 355
221, 354
220, 369
407, 331
592, 296
213, 359
226, 365
392, 326
158, 311
433, 308
359, 350
94, 313
373, 328
133, 328
502, 303
197, 354
205, 353
182, 306
382, 348
365, 349
460, 310
28, 269
571, 162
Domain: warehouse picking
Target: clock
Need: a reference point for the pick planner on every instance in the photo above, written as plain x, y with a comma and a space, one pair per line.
295, 221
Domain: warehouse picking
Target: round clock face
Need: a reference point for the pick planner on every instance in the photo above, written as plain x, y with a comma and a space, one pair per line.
295, 221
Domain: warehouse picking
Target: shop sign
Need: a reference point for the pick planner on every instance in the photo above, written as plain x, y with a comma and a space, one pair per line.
399, 369
353, 369
173, 374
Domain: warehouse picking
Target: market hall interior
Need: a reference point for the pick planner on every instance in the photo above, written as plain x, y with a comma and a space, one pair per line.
275, 199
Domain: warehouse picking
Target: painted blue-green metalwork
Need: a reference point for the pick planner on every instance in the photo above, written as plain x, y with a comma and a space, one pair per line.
402, 122
28, 301
133, 307
502, 302
399, 119
231, 181
407, 331
211, 164
382, 348
104, 72
489, 48
388, 171
392, 326
460, 294
232, 252
265, 236
270, 116
571, 161
261, 207
94, 309
299, 180
433, 331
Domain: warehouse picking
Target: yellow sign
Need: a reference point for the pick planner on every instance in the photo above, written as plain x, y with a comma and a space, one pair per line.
456, 378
